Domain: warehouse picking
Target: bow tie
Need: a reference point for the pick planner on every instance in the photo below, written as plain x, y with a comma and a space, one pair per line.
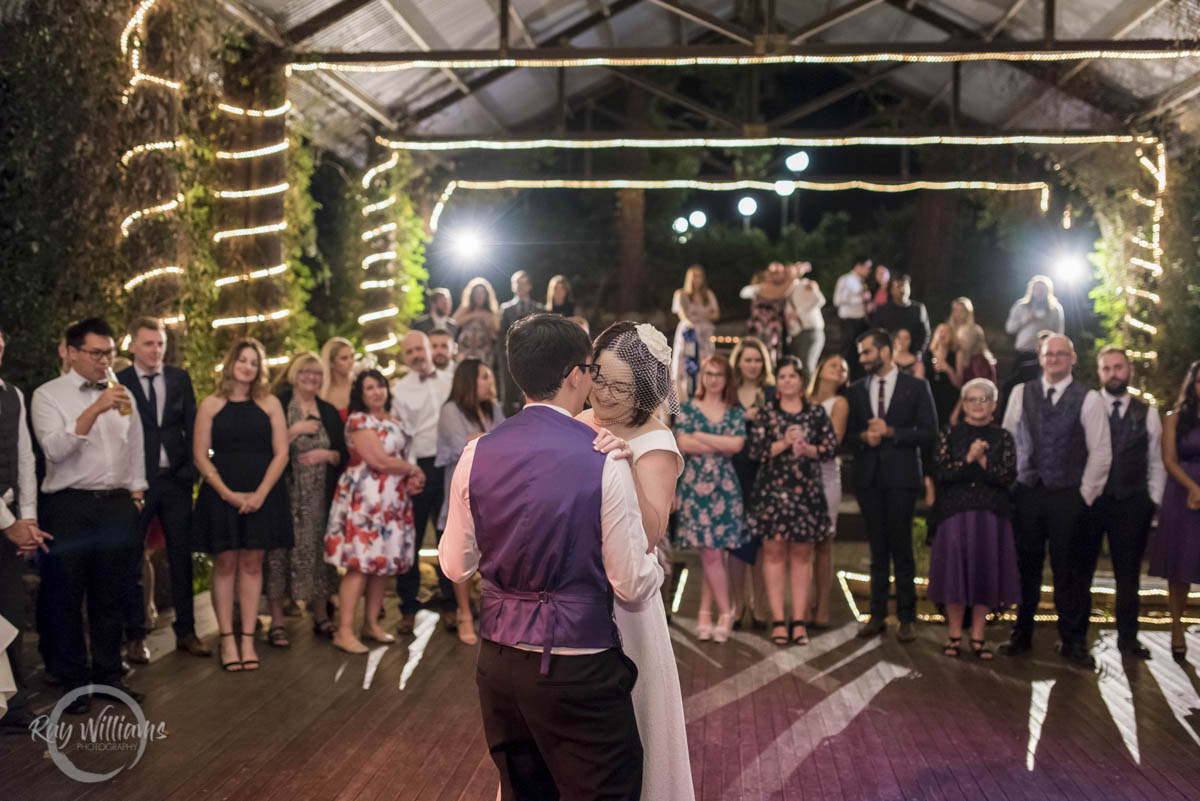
99, 386
426, 376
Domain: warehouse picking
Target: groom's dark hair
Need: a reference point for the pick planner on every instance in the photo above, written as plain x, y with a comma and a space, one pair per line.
542, 350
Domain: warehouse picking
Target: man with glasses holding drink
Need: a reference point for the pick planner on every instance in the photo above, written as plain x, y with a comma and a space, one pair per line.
95, 480
1064, 450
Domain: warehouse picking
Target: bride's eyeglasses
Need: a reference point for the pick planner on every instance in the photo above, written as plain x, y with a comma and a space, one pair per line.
612, 388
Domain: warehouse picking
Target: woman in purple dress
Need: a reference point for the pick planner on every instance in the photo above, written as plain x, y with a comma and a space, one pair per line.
1176, 552
974, 558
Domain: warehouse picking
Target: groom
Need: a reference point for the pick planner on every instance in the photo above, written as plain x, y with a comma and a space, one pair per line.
555, 530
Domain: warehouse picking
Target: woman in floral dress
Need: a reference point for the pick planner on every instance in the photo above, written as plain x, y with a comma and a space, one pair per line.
478, 319
788, 510
370, 531
710, 430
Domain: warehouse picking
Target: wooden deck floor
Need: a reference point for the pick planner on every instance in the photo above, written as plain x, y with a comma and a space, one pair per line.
843, 718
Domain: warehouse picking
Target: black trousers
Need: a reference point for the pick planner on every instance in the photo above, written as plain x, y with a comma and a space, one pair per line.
888, 516
89, 557
428, 503
171, 501
1052, 519
1127, 524
570, 734
850, 329
12, 609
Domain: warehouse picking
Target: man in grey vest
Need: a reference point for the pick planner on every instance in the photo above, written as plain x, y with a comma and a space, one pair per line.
18, 521
1063, 455
1134, 488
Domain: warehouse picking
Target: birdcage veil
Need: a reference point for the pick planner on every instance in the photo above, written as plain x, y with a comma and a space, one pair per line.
648, 355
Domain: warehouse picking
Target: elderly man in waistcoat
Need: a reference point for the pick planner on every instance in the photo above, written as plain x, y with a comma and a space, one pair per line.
1134, 488
1063, 454
555, 530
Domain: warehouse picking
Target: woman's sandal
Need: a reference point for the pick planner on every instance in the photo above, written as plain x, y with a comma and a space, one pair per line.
277, 636
324, 628
803, 638
981, 650
953, 647
233, 665
780, 639
250, 664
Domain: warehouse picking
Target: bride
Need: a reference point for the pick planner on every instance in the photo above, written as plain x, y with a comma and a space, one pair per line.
633, 385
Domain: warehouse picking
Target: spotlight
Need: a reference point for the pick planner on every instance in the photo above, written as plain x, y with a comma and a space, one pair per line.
784, 188
747, 206
1070, 268
698, 219
467, 244
680, 225
797, 162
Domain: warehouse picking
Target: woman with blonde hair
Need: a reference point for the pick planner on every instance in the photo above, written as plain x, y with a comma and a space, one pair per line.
558, 297
974, 360
962, 314
696, 307
478, 318
317, 453
242, 508
337, 354
1038, 310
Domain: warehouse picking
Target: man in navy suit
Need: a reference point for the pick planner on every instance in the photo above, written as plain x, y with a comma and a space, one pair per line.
892, 417
167, 406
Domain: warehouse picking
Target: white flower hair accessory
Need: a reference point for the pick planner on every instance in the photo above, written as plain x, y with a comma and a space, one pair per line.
655, 342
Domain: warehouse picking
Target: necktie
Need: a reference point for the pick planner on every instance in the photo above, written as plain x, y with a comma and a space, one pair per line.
1050, 396
882, 404
153, 395
1115, 417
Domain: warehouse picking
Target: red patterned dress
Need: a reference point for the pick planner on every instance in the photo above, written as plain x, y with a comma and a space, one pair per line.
371, 521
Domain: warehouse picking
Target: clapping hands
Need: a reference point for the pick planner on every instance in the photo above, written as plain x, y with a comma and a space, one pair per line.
978, 453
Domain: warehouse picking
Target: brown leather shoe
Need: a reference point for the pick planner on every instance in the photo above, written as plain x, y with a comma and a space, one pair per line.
907, 632
136, 653
407, 622
873, 627
191, 643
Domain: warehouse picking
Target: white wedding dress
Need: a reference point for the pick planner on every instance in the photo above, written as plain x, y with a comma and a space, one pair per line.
657, 700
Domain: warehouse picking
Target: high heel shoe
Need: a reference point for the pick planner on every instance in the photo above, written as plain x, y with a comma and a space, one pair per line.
724, 627
704, 627
466, 631
250, 664
233, 665
382, 637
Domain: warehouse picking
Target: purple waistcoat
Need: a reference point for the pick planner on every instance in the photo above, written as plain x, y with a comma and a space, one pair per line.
1051, 445
535, 492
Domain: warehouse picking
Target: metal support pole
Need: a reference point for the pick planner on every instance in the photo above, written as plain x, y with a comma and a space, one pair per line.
504, 26
1048, 20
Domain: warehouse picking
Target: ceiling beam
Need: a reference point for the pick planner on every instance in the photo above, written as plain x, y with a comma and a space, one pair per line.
325, 19
991, 33
834, 17
1171, 98
678, 99
710, 21
831, 97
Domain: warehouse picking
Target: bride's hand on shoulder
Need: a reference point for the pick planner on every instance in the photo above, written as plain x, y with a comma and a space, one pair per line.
608, 442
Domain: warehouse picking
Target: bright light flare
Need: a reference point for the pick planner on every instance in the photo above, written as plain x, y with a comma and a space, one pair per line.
1070, 268
468, 244
797, 162
698, 219
747, 206
680, 225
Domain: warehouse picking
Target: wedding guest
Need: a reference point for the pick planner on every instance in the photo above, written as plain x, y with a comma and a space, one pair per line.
710, 429
472, 411
904, 357
973, 359
1176, 552
317, 454
370, 532
827, 390
242, 509
974, 559
520, 305
166, 405
755, 380
416, 400
22, 537
337, 354
94, 488
851, 297
805, 323
902, 312
1064, 450
478, 318
696, 307
962, 316
438, 317
788, 510
892, 418
768, 304
1036, 311
883, 282
558, 297
443, 350
940, 370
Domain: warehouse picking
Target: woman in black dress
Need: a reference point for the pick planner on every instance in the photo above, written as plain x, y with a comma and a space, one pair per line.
558, 297
790, 437
242, 509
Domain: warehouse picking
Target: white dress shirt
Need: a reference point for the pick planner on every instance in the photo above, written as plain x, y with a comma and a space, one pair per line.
848, 297
1156, 473
635, 575
160, 396
1025, 324
807, 300
1093, 418
418, 404
107, 457
26, 489
889, 389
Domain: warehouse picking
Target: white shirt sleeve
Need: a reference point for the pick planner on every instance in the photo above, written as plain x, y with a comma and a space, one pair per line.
1018, 315
1157, 476
1012, 412
840, 291
458, 553
1099, 444
634, 574
26, 467
748, 292
55, 430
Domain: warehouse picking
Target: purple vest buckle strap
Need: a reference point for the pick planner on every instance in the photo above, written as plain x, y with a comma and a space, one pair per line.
551, 599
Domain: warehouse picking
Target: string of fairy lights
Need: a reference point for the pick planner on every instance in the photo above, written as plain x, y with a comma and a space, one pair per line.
1139, 285
379, 263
